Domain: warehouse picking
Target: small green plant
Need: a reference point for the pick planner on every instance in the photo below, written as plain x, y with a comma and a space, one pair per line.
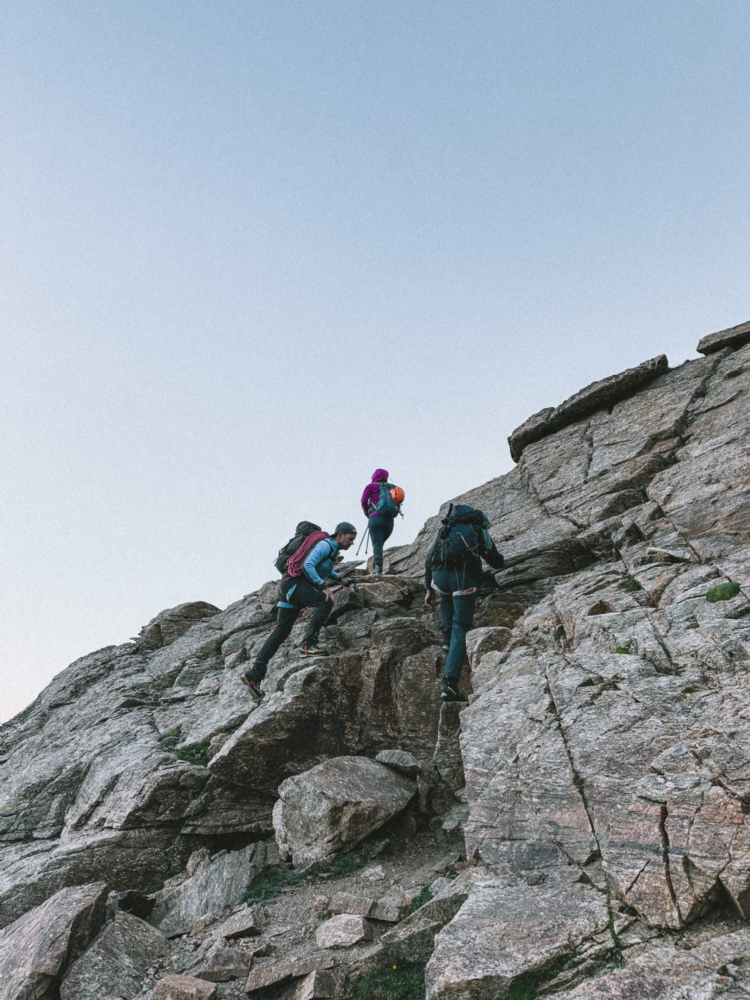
402, 981
630, 584
621, 649
194, 753
424, 897
324, 914
271, 885
274, 992
170, 739
522, 989
723, 592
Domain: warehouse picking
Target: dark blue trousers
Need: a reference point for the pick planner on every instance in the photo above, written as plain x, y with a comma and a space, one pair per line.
303, 595
381, 529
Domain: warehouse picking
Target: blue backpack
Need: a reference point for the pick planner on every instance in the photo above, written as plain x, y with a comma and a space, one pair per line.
386, 505
460, 540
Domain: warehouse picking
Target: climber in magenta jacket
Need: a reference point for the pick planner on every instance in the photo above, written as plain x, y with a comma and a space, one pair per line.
381, 526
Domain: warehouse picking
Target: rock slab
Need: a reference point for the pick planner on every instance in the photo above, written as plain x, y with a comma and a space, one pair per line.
215, 887
596, 396
36, 949
116, 962
735, 336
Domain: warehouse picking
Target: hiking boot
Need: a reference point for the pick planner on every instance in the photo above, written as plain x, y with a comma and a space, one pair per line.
376, 571
450, 690
312, 649
255, 690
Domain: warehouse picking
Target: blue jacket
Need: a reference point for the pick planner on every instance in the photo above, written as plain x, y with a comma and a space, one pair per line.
319, 563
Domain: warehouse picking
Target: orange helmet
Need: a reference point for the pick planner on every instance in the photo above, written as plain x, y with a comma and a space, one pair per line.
397, 494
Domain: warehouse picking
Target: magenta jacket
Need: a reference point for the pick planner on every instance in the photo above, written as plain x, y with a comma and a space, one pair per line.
372, 491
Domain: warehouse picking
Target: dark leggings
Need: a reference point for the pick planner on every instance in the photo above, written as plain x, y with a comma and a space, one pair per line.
381, 529
303, 595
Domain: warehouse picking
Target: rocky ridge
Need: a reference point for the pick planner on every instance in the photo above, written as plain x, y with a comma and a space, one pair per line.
578, 830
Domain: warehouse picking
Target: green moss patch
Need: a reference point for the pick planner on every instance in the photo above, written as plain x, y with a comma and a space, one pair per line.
402, 981
630, 584
723, 592
622, 649
170, 739
424, 897
193, 753
273, 883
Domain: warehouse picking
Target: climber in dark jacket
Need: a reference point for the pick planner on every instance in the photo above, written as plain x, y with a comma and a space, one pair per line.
453, 569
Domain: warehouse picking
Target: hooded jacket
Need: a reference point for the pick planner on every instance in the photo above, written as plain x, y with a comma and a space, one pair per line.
372, 492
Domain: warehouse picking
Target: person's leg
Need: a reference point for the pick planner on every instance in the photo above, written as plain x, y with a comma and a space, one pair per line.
284, 624
463, 619
444, 584
446, 618
377, 525
311, 597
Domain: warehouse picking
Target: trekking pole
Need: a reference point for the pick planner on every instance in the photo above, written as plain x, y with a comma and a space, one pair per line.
362, 539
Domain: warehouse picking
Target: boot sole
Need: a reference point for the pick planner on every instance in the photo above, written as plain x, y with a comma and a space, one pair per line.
258, 696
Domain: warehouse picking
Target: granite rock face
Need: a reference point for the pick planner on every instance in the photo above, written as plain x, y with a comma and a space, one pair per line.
596, 785
597, 396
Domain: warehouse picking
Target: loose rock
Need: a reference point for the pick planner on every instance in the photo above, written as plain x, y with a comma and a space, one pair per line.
401, 761
343, 931
184, 988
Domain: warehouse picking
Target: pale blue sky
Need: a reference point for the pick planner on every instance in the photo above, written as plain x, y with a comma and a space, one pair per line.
251, 251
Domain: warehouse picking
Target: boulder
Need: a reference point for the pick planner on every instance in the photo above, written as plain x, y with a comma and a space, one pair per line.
216, 887
342, 931
117, 962
37, 948
336, 804
401, 761
184, 988
317, 701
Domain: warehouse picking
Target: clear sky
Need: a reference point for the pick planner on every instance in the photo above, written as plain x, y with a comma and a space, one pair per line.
249, 251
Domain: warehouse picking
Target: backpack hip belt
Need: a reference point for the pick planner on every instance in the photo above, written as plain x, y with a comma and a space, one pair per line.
454, 593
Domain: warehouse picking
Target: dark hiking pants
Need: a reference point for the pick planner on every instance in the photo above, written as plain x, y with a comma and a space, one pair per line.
300, 593
456, 615
381, 529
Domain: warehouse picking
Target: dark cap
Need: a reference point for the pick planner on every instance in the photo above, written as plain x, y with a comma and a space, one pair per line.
344, 529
